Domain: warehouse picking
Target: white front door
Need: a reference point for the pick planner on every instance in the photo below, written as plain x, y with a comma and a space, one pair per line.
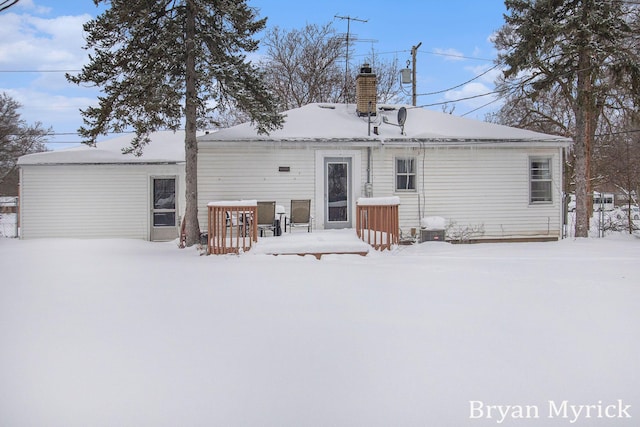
164, 218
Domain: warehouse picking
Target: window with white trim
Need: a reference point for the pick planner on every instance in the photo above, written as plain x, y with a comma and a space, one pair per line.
405, 174
540, 180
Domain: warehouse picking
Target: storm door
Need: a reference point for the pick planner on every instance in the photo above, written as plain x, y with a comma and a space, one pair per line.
164, 221
337, 192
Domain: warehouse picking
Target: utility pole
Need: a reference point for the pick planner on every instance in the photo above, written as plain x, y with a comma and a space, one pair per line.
414, 51
346, 62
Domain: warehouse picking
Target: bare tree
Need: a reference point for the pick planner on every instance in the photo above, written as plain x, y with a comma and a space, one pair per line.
17, 138
618, 160
304, 66
387, 78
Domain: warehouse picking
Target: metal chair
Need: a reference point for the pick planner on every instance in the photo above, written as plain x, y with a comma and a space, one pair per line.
266, 217
300, 214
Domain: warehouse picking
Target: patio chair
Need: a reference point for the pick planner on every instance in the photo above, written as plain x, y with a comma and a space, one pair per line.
300, 214
238, 223
266, 217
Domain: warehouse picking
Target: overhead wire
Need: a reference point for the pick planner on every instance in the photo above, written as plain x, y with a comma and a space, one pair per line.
390, 52
457, 100
461, 84
480, 107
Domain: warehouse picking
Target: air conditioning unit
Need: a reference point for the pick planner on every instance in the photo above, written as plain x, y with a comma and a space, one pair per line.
431, 235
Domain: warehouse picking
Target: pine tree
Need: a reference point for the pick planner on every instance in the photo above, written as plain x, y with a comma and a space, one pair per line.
584, 50
165, 64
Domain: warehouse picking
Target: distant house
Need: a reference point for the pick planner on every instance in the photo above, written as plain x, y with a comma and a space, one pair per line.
494, 182
497, 182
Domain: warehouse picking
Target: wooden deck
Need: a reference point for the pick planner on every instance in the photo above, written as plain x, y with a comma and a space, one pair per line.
317, 243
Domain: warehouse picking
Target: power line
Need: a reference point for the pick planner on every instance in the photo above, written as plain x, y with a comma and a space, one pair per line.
395, 52
461, 84
457, 56
480, 107
40, 71
458, 100
6, 4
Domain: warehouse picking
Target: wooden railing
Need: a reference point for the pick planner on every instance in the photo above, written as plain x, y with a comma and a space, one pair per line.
377, 221
232, 226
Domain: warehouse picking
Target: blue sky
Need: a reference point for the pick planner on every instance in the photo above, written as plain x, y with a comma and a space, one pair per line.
40, 38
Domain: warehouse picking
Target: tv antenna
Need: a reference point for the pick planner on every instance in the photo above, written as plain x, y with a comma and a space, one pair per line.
346, 62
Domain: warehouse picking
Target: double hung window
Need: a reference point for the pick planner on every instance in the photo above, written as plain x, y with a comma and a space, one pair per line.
405, 174
540, 180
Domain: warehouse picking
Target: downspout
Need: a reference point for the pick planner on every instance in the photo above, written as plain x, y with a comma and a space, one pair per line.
421, 201
368, 188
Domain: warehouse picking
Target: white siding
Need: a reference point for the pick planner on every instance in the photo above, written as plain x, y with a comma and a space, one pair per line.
471, 187
90, 201
252, 173
486, 187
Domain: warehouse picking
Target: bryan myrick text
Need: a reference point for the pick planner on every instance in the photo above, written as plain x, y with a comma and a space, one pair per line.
479, 410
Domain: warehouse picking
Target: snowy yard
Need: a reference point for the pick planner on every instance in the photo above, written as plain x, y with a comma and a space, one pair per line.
132, 333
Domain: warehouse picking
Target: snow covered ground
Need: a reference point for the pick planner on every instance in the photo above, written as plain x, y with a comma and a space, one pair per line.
133, 333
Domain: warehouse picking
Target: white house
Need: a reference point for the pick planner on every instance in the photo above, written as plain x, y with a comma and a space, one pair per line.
499, 182
93, 192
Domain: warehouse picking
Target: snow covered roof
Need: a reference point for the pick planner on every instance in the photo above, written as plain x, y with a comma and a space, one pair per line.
340, 122
165, 147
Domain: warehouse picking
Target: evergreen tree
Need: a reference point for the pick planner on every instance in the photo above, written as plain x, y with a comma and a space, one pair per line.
581, 50
165, 64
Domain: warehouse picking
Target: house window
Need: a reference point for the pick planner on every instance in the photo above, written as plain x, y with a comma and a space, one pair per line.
540, 180
405, 174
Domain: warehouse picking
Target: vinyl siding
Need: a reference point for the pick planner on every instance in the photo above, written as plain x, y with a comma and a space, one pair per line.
90, 201
252, 174
481, 187
470, 187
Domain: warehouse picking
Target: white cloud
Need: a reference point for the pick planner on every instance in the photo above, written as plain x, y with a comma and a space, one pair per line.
34, 43
33, 48
56, 110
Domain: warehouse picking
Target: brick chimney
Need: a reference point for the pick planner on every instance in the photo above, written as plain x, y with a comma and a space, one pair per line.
366, 91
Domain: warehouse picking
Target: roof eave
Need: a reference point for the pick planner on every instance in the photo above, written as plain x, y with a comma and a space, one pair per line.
397, 142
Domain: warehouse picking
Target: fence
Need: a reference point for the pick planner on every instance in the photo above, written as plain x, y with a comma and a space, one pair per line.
232, 226
9, 216
377, 221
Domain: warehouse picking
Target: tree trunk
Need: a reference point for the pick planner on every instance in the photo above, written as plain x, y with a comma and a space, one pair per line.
192, 228
585, 132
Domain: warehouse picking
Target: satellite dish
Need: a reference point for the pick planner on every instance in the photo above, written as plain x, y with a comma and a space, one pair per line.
402, 116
